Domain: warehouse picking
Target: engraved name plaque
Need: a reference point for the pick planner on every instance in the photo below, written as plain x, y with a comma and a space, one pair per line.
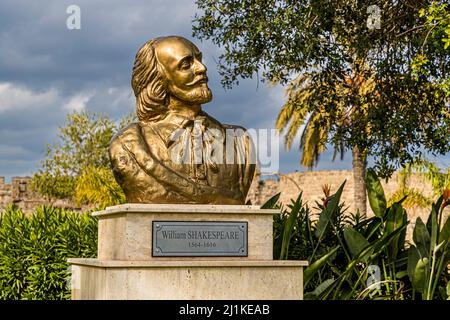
199, 238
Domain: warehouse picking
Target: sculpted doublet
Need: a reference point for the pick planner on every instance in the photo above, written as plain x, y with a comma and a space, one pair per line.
142, 162
177, 153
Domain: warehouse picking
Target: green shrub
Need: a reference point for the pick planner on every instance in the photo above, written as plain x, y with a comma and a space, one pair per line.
34, 250
366, 258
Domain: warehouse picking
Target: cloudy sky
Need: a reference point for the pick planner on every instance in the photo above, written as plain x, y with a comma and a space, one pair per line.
47, 71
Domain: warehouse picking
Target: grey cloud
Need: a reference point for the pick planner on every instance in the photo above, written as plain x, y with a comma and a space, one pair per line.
37, 49
39, 54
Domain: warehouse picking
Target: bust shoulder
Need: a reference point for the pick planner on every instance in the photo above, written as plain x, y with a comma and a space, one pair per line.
125, 138
129, 133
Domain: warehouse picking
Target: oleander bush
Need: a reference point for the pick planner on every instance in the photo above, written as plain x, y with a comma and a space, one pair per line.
366, 258
34, 250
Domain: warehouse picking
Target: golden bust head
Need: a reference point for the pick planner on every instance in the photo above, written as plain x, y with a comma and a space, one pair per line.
170, 84
167, 71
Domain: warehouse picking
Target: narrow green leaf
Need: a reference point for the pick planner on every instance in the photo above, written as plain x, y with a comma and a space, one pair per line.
434, 229
355, 241
279, 223
421, 238
400, 202
413, 258
380, 245
375, 192
272, 202
401, 274
316, 265
395, 218
444, 235
309, 296
289, 227
327, 214
322, 287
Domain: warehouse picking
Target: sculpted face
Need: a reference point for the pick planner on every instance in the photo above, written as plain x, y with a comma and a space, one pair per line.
184, 70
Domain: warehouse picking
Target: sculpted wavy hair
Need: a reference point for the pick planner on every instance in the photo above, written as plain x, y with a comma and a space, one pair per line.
149, 84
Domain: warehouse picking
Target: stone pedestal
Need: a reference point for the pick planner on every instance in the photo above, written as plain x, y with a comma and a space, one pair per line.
126, 269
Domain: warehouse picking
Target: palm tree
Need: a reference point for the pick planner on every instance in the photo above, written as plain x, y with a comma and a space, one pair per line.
428, 170
310, 105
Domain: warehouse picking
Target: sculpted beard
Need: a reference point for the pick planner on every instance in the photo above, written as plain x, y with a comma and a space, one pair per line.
196, 95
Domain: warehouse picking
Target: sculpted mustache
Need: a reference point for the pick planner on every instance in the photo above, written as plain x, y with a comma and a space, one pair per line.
197, 80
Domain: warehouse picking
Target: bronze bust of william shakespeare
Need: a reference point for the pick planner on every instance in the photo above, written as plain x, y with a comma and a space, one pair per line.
177, 153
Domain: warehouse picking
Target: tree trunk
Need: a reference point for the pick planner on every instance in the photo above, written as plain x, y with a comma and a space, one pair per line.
359, 174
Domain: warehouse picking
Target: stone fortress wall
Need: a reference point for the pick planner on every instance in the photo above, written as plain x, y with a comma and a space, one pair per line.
310, 182
18, 192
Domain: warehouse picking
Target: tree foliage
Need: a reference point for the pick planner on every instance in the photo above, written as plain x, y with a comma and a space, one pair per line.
438, 178
347, 78
82, 149
98, 186
437, 26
